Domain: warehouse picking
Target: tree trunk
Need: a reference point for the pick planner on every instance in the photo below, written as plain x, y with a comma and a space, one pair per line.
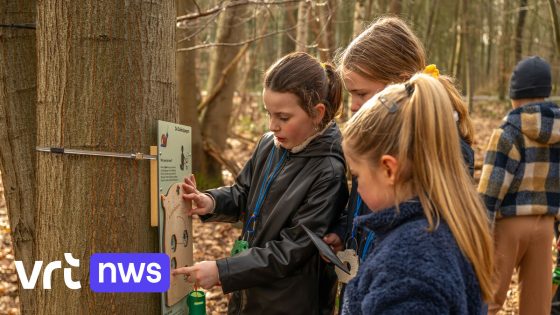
18, 130
285, 43
395, 7
432, 19
216, 119
490, 12
359, 17
470, 41
455, 56
555, 22
188, 95
302, 26
504, 64
106, 74
519, 30
344, 22
327, 17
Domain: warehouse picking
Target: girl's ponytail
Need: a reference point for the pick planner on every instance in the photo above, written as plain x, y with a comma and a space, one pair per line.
466, 130
333, 94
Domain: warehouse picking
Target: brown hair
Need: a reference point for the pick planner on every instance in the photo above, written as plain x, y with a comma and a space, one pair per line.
311, 81
414, 123
388, 51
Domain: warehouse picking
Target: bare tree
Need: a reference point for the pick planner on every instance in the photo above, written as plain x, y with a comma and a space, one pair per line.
221, 86
188, 95
18, 100
519, 29
556, 24
302, 29
106, 74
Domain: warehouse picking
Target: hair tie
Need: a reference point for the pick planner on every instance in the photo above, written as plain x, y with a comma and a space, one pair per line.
432, 70
409, 88
324, 65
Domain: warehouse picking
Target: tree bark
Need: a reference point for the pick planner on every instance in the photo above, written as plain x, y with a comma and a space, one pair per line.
216, 119
302, 26
555, 22
18, 130
106, 74
432, 19
344, 22
327, 17
504, 64
519, 30
188, 94
395, 7
456, 55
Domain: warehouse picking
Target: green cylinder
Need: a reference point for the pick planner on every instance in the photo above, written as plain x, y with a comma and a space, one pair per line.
196, 301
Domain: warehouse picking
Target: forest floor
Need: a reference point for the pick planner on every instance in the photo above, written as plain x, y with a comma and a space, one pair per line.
214, 241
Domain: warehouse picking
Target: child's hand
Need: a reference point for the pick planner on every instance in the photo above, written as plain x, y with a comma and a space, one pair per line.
204, 204
334, 242
204, 274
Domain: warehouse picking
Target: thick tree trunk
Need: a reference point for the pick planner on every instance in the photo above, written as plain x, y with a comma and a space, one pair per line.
188, 95
18, 130
216, 120
106, 74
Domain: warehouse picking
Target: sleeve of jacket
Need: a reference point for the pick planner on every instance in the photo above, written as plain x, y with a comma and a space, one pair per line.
500, 165
279, 258
230, 201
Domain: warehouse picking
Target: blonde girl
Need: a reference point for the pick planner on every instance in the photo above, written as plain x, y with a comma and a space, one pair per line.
387, 52
433, 252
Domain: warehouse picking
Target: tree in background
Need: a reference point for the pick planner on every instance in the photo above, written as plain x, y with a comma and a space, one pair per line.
18, 98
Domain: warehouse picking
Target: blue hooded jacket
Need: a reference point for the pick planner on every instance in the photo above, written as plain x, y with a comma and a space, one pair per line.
412, 270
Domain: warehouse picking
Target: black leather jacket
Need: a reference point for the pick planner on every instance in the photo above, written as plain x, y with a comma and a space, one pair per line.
281, 272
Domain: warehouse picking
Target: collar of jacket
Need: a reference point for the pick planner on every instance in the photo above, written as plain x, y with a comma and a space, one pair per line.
300, 147
382, 222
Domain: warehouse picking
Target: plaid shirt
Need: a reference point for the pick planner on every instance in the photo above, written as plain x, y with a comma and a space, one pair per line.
521, 172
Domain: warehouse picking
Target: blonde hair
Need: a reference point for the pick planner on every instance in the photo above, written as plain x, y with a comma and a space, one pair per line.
414, 123
388, 51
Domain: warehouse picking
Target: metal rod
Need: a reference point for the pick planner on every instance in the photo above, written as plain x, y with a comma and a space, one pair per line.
136, 156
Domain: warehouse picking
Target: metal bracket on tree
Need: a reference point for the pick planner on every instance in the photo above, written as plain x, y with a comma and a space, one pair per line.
135, 156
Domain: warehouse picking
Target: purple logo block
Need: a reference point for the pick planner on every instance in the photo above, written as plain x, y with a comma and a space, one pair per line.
128, 272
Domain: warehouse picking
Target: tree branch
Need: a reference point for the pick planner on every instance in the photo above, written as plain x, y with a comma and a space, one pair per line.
239, 43
219, 8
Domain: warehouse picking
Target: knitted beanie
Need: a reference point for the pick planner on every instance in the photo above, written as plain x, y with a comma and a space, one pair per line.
531, 78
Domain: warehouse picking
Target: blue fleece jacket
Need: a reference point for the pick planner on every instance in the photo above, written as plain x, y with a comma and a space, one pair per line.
412, 270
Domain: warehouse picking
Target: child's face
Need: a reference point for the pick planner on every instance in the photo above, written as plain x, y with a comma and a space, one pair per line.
375, 184
289, 122
361, 89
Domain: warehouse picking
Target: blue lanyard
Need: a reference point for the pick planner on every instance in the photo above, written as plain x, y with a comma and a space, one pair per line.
356, 212
265, 187
369, 240
370, 235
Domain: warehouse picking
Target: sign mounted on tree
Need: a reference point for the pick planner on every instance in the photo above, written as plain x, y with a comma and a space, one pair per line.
175, 227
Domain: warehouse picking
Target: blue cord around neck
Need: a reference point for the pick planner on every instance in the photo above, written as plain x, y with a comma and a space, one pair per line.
265, 187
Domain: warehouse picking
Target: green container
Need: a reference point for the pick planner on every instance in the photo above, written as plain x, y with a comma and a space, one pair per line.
196, 301
556, 276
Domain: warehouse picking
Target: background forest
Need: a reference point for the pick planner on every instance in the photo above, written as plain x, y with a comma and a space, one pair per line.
97, 75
